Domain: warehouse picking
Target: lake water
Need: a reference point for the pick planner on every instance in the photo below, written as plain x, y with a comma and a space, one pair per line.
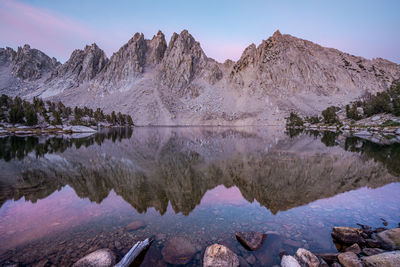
64, 197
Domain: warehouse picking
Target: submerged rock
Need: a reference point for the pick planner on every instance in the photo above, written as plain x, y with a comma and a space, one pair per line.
178, 250
135, 225
387, 259
289, 261
270, 251
347, 235
219, 255
349, 259
390, 239
251, 240
99, 258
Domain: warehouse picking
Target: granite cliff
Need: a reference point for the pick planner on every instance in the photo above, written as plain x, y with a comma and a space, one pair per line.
177, 84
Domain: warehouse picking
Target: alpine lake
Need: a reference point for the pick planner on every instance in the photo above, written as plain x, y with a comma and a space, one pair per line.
65, 196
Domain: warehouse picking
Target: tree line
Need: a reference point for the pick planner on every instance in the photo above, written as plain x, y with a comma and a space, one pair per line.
383, 102
16, 110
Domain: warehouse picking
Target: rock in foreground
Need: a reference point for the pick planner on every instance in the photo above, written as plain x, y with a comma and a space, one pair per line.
347, 235
178, 250
387, 259
306, 258
349, 259
99, 258
251, 240
390, 239
221, 256
289, 261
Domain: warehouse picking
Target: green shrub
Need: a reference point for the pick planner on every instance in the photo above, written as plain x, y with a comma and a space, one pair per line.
313, 119
294, 120
330, 116
390, 123
352, 113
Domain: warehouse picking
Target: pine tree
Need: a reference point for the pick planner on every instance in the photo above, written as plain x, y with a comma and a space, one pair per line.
30, 116
16, 113
57, 118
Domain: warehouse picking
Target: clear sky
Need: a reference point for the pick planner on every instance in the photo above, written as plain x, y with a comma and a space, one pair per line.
224, 28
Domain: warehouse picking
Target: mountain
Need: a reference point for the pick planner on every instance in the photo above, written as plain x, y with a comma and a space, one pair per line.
177, 84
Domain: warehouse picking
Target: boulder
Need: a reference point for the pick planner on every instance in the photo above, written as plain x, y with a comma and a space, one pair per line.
219, 255
178, 250
363, 133
355, 248
79, 129
306, 258
251, 240
387, 259
135, 226
347, 235
328, 257
349, 259
335, 264
375, 118
373, 243
99, 258
372, 251
289, 261
390, 239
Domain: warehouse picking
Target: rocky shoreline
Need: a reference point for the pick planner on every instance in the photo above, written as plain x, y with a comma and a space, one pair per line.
380, 129
58, 129
356, 247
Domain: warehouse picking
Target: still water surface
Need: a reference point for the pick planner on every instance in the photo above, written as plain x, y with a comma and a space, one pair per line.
63, 197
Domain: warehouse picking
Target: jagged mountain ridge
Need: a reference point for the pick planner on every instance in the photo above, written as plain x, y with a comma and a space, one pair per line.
177, 84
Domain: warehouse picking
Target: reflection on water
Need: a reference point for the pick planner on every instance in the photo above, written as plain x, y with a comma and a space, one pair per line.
18, 147
78, 194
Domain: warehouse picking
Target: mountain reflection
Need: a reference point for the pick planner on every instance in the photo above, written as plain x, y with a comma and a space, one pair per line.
18, 147
151, 167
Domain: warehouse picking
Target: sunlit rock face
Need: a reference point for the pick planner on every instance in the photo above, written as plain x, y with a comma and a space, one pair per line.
154, 167
177, 84
82, 66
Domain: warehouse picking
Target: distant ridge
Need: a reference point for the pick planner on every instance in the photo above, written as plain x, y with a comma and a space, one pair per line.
177, 84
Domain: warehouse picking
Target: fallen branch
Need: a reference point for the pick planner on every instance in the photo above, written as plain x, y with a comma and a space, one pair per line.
134, 252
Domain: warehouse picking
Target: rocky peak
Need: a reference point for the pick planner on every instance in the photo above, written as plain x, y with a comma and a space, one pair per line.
156, 48
7, 55
125, 65
32, 64
277, 34
248, 58
183, 59
83, 65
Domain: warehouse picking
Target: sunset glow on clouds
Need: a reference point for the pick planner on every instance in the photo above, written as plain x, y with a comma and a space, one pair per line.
223, 28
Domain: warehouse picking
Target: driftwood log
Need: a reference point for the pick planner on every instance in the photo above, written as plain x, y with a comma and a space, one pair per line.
134, 252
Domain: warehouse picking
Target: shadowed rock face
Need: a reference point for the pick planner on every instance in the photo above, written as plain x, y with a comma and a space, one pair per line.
32, 64
177, 84
157, 166
83, 65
